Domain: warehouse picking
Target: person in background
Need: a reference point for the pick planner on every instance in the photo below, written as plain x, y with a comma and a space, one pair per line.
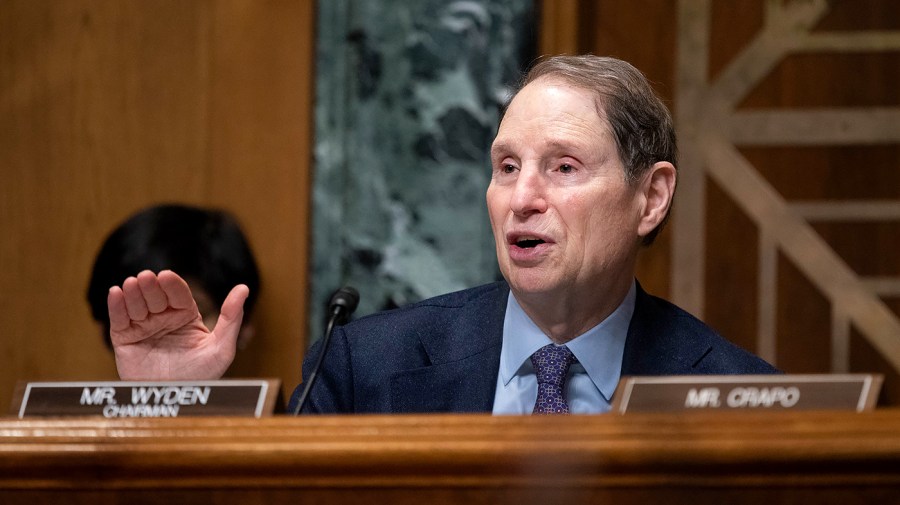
206, 246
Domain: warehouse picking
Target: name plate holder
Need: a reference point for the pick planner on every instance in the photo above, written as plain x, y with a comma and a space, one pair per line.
855, 392
122, 399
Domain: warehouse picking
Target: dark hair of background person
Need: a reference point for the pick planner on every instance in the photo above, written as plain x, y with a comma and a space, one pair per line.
206, 247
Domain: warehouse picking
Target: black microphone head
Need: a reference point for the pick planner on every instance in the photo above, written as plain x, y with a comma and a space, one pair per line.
343, 302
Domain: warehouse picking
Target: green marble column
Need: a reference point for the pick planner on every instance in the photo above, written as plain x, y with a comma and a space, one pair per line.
407, 101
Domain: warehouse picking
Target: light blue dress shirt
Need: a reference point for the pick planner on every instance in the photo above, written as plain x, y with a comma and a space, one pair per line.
591, 382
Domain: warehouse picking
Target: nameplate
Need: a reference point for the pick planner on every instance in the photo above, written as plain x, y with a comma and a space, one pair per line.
857, 392
231, 397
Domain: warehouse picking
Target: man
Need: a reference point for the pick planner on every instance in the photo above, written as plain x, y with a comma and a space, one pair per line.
583, 176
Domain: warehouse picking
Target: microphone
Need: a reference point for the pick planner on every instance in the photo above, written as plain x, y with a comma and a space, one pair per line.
342, 304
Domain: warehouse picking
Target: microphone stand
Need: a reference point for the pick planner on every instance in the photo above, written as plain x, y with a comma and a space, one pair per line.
342, 304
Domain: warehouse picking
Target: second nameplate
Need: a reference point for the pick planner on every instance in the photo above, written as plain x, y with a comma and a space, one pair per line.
857, 392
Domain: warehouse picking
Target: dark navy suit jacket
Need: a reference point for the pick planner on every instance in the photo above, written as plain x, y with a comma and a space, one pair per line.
443, 354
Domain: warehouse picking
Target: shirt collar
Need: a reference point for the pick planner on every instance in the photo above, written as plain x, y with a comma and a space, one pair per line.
599, 350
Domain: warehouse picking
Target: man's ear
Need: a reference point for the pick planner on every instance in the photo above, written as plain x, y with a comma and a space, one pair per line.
658, 189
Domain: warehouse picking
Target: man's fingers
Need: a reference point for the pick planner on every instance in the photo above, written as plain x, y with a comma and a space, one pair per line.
118, 314
154, 296
134, 300
176, 290
229, 324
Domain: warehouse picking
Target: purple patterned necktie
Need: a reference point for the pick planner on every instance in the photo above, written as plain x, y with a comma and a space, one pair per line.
551, 364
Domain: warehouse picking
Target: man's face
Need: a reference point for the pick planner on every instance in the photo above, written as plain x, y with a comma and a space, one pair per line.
564, 219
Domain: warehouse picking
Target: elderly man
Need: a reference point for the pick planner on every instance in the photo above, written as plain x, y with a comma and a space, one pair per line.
583, 175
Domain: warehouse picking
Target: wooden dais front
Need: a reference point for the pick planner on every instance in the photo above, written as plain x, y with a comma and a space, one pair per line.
752, 457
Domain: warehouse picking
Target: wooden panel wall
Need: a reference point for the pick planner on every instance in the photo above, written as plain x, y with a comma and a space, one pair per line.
107, 106
835, 177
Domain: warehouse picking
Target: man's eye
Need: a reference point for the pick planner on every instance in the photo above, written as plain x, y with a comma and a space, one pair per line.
566, 168
508, 169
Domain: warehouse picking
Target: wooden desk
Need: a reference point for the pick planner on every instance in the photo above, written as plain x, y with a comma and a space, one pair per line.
759, 458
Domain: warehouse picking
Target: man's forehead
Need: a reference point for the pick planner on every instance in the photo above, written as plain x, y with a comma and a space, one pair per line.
558, 82
561, 143
551, 95
557, 125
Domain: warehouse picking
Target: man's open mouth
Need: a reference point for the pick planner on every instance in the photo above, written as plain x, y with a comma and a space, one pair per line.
528, 242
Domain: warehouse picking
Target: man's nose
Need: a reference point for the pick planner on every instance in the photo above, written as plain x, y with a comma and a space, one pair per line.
529, 192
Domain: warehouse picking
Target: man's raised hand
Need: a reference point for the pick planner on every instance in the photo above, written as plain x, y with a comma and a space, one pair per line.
158, 333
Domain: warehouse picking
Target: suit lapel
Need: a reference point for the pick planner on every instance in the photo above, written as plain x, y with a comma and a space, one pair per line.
656, 344
464, 361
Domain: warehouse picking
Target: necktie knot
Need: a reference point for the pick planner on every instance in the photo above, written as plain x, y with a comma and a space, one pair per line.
551, 364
